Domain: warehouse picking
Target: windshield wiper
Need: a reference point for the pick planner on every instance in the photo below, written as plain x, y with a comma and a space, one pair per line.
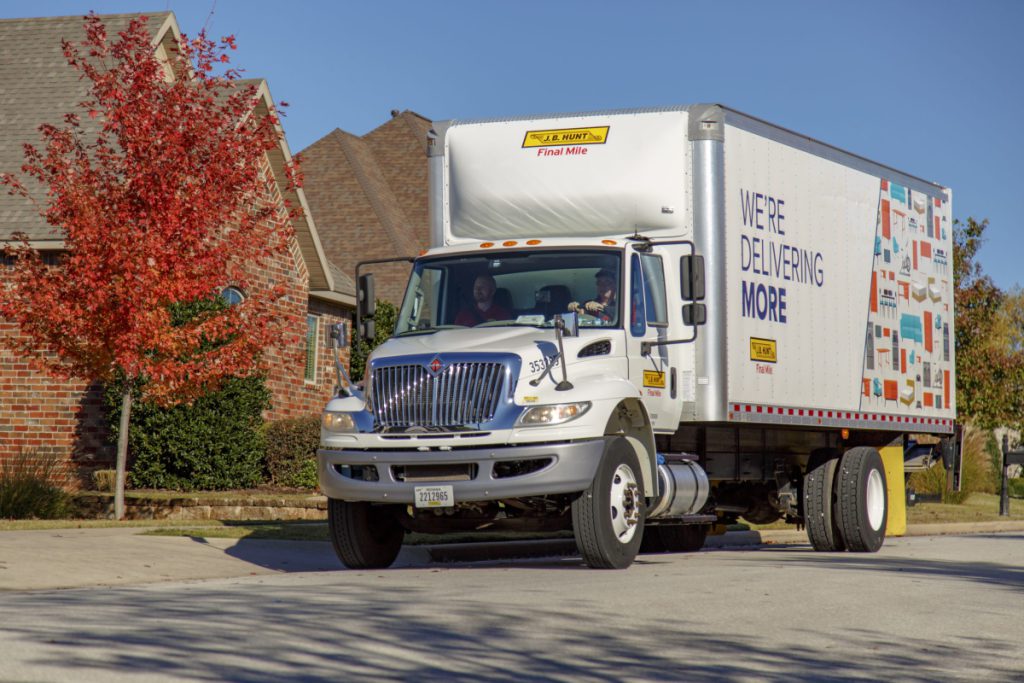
430, 330
507, 323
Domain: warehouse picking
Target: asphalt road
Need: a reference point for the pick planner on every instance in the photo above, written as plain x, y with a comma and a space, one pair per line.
922, 609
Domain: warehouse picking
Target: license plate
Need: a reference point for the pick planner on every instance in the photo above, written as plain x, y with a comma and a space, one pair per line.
434, 496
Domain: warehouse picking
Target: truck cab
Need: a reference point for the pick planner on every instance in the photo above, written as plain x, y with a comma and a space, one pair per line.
502, 421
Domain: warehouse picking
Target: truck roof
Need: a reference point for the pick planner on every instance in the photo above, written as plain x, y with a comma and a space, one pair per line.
752, 124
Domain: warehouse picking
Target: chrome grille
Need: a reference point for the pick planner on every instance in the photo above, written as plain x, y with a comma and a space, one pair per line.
464, 393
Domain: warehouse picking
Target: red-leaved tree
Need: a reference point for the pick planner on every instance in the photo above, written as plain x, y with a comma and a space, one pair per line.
161, 192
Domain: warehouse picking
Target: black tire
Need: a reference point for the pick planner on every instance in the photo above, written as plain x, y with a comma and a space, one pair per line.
684, 538
819, 501
364, 536
862, 504
608, 533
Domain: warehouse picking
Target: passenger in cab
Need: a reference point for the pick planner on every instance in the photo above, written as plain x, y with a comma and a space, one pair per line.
604, 306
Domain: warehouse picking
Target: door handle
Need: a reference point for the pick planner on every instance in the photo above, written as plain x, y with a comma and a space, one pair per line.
672, 382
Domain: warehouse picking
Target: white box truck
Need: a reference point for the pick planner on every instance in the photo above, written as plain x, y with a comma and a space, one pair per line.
638, 324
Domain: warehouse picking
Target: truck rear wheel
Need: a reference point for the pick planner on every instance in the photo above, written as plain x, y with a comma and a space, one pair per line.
608, 518
819, 501
364, 536
862, 505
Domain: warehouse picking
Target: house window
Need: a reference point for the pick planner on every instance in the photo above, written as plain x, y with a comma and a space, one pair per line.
232, 295
312, 335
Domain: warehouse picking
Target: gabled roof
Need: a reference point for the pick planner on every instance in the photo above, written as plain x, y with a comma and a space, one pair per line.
37, 86
369, 193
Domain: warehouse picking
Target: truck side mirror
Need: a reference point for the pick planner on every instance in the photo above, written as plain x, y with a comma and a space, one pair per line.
367, 302
691, 275
339, 336
695, 314
570, 324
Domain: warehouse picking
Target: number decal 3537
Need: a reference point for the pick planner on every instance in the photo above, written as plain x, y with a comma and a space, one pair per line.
541, 363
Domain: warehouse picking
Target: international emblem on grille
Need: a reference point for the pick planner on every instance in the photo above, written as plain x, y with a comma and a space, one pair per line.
437, 394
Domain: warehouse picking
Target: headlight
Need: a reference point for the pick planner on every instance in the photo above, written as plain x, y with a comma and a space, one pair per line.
341, 423
553, 414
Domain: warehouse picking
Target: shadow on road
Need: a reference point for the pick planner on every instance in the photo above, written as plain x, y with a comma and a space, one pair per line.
252, 632
1003, 575
282, 556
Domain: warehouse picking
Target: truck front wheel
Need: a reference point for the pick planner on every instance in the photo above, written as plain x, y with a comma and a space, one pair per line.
364, 536
608, 518
862, 504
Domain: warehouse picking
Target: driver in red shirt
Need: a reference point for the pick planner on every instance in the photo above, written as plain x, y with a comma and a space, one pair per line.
484, 308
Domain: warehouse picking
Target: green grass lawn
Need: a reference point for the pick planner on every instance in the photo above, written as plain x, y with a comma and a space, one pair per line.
43, 524
284, 531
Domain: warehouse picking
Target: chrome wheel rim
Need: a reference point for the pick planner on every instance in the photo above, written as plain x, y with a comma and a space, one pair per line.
875, 499
625, 504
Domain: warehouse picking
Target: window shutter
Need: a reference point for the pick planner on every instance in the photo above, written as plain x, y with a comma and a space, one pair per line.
312, 327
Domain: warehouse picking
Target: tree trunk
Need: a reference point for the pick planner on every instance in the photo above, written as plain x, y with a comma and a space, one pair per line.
122, 451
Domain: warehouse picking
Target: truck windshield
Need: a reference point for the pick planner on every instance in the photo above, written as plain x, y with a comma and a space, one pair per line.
512, 288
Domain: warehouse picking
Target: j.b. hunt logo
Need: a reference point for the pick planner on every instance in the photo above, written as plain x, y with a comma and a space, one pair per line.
566, 136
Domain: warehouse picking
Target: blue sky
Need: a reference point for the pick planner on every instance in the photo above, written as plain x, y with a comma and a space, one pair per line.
933, 88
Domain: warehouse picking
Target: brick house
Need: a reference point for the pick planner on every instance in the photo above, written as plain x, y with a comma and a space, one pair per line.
44, 415
372, 191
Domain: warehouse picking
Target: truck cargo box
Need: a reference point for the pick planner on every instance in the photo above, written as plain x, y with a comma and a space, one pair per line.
829, 276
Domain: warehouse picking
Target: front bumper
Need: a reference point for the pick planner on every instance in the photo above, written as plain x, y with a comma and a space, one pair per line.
571, 468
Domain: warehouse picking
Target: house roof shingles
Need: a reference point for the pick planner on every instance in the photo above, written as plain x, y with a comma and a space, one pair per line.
37, 86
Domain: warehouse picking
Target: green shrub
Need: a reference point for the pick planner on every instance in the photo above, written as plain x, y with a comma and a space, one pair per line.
384, 318
291, 451
212, 444
1016, 487
30, 487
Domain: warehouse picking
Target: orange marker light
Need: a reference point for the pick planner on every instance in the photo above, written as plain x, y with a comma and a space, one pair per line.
846, 434
486, 245
509, 243
533, 242
611, 242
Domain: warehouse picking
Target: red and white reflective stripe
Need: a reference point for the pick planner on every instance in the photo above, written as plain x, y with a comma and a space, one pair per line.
739, 410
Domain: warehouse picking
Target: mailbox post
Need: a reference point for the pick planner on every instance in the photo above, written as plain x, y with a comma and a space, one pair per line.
1009, 458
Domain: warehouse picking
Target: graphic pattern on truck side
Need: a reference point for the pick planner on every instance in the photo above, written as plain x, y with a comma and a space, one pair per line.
908, 360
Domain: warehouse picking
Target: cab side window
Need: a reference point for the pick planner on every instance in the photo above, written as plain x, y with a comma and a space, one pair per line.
637, 299
654, 290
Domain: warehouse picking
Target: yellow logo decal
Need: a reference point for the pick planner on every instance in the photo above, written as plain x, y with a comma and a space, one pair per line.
654, 379
763, 350
566, 136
